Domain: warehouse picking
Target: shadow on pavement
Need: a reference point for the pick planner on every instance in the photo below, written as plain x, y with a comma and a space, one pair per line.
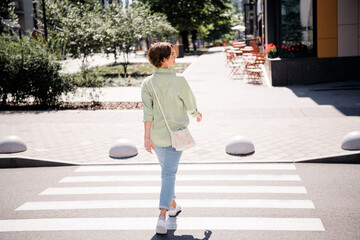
344, 96
171, 235
171, 223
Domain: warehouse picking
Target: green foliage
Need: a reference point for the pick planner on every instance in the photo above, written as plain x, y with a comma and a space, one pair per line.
28, 72
291, 25
113, 75
7, 13
87, 77
126, 27
212, 18
220, 30
152, 24
12, 82
83, 28
113, 17
74, 27
187, 13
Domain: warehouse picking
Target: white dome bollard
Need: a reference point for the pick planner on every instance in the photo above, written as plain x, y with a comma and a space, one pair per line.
12, 144
240, 145
351, 141
122, 148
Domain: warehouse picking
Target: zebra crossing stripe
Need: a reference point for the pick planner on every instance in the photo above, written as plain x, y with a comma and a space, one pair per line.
199, 177
195, 167
179, 189
186, 223
187, 203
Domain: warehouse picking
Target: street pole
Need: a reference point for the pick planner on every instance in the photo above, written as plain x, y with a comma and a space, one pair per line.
44, 19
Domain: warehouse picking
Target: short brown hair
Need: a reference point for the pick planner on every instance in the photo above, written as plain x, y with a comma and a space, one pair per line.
158, 52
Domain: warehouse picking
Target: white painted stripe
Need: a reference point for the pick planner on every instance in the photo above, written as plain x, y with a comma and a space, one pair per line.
179, 189
183, 223
208, 177
188, 203
195, 167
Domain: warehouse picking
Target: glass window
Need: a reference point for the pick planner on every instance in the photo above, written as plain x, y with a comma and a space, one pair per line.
297, 32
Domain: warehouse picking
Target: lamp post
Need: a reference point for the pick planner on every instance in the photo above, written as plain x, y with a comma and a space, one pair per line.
44, 18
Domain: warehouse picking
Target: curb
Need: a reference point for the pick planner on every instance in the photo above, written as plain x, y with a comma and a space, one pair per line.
21, 162
353, 158
24, 162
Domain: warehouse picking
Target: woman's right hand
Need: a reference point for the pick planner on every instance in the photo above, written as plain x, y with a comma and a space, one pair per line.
148, 144
199, 117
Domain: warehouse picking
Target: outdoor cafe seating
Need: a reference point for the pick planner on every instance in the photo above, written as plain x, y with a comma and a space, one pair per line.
245, 62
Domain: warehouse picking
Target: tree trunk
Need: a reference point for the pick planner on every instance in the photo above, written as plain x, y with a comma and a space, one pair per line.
125, 64
4, 99
115, 56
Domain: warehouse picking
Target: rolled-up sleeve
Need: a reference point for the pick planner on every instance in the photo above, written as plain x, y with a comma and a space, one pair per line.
147, 103
187, 95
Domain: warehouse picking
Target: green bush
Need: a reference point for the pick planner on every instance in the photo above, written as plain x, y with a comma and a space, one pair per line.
88, 77
28, 72
13, 88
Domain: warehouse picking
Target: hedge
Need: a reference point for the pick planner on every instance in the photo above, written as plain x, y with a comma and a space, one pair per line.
29, 73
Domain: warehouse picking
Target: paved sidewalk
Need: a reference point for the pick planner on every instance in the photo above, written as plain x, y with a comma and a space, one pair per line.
285, 123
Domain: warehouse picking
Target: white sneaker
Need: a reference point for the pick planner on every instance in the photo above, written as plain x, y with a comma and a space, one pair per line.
161, 226
174, 211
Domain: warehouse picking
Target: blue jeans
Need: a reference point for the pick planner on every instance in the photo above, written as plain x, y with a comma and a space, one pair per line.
169, 161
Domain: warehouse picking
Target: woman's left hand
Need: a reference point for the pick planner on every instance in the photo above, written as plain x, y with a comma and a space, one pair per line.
148, 144
199, 117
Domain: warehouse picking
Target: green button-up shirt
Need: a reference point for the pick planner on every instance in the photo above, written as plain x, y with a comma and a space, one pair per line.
176, 99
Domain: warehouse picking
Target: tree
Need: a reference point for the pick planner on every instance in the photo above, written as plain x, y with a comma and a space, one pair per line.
154, 24
214, 15
113, 16
139, 23
186, 13
126, 27
291, 24
82, 28
221, 29
75, 27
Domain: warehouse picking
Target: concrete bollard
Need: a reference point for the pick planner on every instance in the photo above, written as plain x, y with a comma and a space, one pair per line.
240, 145
351, 141
122, 148
12, 144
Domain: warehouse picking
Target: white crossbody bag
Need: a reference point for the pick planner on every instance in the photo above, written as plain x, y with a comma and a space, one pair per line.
180, 140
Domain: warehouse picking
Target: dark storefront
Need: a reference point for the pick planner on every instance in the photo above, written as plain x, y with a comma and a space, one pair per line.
311, 38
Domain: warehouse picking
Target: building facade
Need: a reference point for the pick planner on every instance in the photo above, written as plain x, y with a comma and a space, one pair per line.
317, 40
26, 10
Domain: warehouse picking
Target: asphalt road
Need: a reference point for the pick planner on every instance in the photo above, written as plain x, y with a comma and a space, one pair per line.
226, 201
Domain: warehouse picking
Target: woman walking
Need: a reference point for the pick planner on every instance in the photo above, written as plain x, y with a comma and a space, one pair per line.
177, 101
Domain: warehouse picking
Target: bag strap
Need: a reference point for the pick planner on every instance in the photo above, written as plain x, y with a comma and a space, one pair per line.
157, 98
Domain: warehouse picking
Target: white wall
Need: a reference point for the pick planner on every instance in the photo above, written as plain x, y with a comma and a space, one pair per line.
348, 28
